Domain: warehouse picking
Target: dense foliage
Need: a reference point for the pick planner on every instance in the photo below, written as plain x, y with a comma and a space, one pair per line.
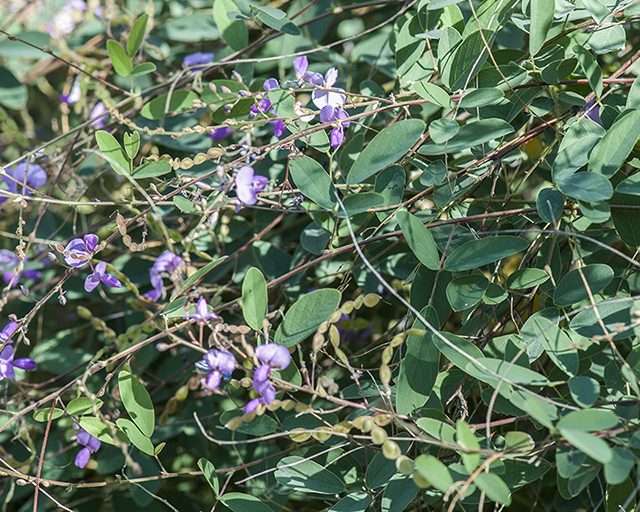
319, 255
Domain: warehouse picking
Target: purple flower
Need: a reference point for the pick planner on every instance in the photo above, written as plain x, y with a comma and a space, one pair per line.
592, 110
219, 364
221, 133
78, 252
323, 98
36, 177
99, 275
264, 105
91, 445
8, 262
197, 59
335, 115
202, 314
272, 355
247, 185
75, 95
300, 66
166, 262
7, 363
65, 20
8, 331
98, 114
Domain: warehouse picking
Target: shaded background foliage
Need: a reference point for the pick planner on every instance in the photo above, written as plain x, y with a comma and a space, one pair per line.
455, 280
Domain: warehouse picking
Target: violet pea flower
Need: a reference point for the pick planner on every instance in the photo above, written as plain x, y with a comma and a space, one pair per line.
202, 314
197, 59
248, 184
272, 355
166, 262
221, 133
91, 445
219, 364
8, 261
7, 363
8, 331
300, 66
78, 252
93, 280
264, 105
332, 97
36, 177
98, 114
335, 115
75, 95
592, 110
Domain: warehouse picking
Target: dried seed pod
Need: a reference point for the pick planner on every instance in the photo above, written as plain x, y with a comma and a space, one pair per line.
382, 419
186, 163
299, 435
347, 307
385, 374
234, 423
391, 450
133, 247
287, 405
321, 434
182, 393
120, 223
397, 340
171, 405
84, 313
175, 164
233, 329
404, 465
302, 407
98, 324
110, 335
371, 299
214, 153
324, 327
334, 336
250, 416
126, 240
343, 357
246, 382
235, 383
359, 302
415, 332
318, 342
200, 158
378, 435
244, 329
275, 405
193, 383
335, 317
344, 427
387, 355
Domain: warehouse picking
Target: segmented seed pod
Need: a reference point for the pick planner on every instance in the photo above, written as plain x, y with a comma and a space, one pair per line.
152, 158
98, 324
382, 419
321, 434
385, 374
367, 424
193, 383
302, 407
358, 302
318, 342
134, 331
164, 417
186, 163
404, 465
275, 405
200, 158
250, 416
171, 405
344, 427
133, 247
214, 153
287, 405
84, 313
126, 240
391, 450
299, 435
244, 329
347, 307
335, 317
246, 382
371, 299
110, 335
120, 223
415, 332
334, 335
234, 423
387, 355
182, 393
397, 340
378, 435
343, 357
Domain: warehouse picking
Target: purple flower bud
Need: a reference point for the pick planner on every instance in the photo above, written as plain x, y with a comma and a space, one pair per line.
25, 363
82, 458
221, 133
276, 355
592, 110
8, 331
198, 59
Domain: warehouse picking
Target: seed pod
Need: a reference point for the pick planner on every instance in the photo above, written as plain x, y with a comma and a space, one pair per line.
175, 164
391, 450
200, 158
287, 405
235, 383
344, 427
334, 335
186, 163
302, 407
367, 424
347, 307
148, 327
275, 405
171, 405
246, 382
358, 302
98, 324
324, 327
385, 374
404, 465
121, 225
343, 357
133, 247
182, 393
193, 383
234, 423
84, 313
110, 335
397, 340
387, 355
126, 240
299, 435
214, 153
318, 342
415, 332
249, 417
322, 434
420, 481
134, 331
378, 435
382, 419
244, 329
371, 299
164, 417
335, 317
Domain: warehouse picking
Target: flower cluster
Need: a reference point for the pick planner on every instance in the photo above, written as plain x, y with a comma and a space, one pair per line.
248, 185
91, 445
219, 364
272, 355
79, 252
7, 361
8, 262
36, 176
165, 263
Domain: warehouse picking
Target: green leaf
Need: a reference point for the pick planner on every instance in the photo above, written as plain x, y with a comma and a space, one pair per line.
284, 25
589, 420
184, 205
385, 148
234, 32
633, 98
119, 58
390, 184
313, 181
255, 301
441, 130
190, 28
420, 239
471, 134
494, 294
200, 274
590, 67
132, 144
619, 495
408, 48
481, 98
209, 472
178, 101
239, 502
626, 222
419, 368
42, 415
494, 487
541, 21
438, 430
136, 36
137, 402
576, 146
139, 440
353, 502
558, 70
398, 493
558, 345
434, 471
568, 461
466, 439
143, 69
571, 289
466, 291
586, 186
612, 314
607, 39
459, 359
614, 148
282, 102
314, 239
593, 446
360, 203
97, 428
82, 405
550, 204
307, 476
152, 170
432, 93
510, 372
467, 60
630, 186
113, 153
303, 318
526, 278
584, 390
9, 48
13, 94
476, 253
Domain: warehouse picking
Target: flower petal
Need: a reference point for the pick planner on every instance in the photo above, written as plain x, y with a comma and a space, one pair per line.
25, 363
252, 406
91, 241
244, 185
91, 282
82, 458
111, 280
213, 379
8, 331
327, 114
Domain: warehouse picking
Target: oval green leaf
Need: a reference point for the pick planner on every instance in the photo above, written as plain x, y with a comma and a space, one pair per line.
476, 253
441, 130
97, 428
82, 405
308, 476
466, 291
434, 471
139, 440
419, 239
137, 402
152, 170
558, 345
526, 278
42, 415
471, 134
571, 288
178, 102
550, 204
136, 35
432, 93
240, 502
614, 148
113, 153
209, 472
254, 298
481, 97
119, 58
313, 181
